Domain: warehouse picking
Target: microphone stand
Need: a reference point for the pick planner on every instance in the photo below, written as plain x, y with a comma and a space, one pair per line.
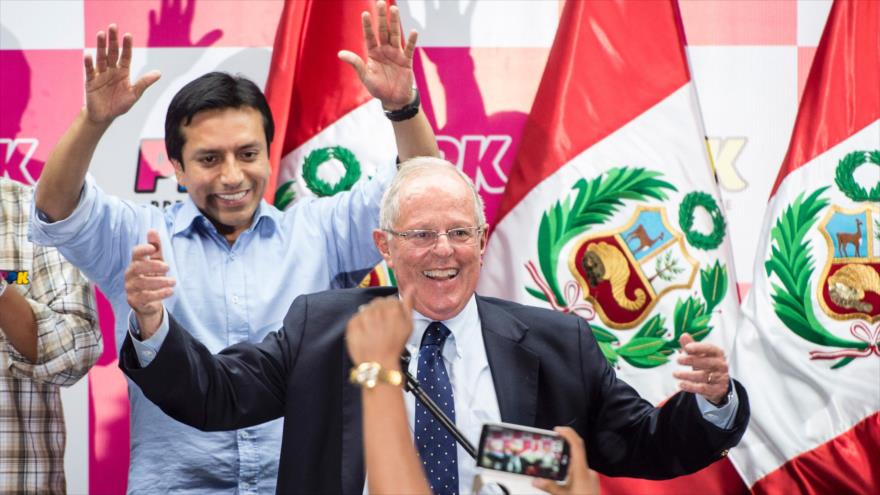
412, 385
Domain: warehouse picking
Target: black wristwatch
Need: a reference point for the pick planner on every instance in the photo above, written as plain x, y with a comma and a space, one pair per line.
408, 111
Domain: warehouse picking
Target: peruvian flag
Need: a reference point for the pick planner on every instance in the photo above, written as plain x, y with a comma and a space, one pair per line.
612, 211
808, 349
329, 132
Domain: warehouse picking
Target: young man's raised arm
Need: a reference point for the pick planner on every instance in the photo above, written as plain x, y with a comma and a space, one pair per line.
109, 94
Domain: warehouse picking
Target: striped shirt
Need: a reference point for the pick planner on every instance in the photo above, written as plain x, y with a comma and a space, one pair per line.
32, 434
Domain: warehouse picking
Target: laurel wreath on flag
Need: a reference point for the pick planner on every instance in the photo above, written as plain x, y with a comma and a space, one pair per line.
284, 195
845, 175
594, 203
699, 240
649, 348
318, 157
791, 259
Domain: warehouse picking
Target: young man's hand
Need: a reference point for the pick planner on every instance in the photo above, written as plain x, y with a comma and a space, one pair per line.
146, 284
109, 93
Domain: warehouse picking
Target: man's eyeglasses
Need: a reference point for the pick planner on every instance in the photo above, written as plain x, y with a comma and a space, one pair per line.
427, 238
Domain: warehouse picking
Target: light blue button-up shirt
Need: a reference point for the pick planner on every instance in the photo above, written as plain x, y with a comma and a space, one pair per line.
225, 294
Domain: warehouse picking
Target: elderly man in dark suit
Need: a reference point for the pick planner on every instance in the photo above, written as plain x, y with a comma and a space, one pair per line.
481, 359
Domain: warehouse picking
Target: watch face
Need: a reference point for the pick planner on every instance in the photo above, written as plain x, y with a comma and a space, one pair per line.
367, 373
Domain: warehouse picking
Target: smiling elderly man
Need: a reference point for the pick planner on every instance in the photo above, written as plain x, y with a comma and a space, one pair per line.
482, 359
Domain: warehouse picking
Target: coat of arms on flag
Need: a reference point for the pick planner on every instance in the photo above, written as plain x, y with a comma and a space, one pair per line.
620, 273
807, 346
846, 242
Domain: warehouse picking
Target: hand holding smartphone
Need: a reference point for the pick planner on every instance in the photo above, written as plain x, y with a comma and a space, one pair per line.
525, 451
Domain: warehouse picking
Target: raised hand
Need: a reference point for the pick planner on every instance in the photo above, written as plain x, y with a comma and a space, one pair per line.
581, 479
109, 92
379, 330
709, 376
387, 73
146, 284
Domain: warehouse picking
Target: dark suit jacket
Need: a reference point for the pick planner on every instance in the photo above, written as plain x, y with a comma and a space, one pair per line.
546, 367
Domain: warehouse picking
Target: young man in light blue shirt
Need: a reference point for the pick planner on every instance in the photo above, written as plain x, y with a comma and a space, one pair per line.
238, 261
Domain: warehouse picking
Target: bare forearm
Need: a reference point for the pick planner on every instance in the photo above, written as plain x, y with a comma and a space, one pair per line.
18, 323
392, 462
65, 171
415, 137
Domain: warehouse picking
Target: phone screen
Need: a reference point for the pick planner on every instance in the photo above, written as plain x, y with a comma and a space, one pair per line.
523, 450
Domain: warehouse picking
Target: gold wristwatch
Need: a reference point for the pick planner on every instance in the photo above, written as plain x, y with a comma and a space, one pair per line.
370, 373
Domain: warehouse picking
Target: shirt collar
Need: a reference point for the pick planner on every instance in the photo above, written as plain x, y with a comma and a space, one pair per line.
461, 327
266, 218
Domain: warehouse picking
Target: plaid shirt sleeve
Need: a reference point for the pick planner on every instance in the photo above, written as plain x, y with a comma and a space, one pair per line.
68, 337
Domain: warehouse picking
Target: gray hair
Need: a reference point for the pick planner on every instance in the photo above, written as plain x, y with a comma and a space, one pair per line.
389, 211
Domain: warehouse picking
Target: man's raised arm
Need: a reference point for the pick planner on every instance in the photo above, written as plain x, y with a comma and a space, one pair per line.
109, 94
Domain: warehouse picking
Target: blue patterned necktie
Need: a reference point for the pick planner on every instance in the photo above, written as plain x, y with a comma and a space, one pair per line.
436, 446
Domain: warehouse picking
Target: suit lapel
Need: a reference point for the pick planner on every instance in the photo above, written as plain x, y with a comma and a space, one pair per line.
514, 368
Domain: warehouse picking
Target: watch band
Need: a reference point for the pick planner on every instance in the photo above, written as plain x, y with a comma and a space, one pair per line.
368, 374
408, 111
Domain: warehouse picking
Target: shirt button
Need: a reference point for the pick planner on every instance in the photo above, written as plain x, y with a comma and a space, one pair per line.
147, 353
235, 300
244, 434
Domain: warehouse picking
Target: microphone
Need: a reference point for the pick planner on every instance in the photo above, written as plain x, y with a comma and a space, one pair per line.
412, 385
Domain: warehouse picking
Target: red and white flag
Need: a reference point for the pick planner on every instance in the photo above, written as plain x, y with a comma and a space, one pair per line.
329, 131
808, 348
612, 211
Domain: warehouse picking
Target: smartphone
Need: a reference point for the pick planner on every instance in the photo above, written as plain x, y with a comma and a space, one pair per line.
523, 450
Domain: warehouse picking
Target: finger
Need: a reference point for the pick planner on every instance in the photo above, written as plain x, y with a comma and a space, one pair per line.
576, 450
703, 349
101, 52
145, 82
701, 376
125, 58
354, 61
148, 283
141, 300
702, 388
408, 297
147, 268
404, 312
142, 252
153, 238
684, 340
715, 364
89, 66
410, 48
112, 46
394, 28
369, 37
383, 23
